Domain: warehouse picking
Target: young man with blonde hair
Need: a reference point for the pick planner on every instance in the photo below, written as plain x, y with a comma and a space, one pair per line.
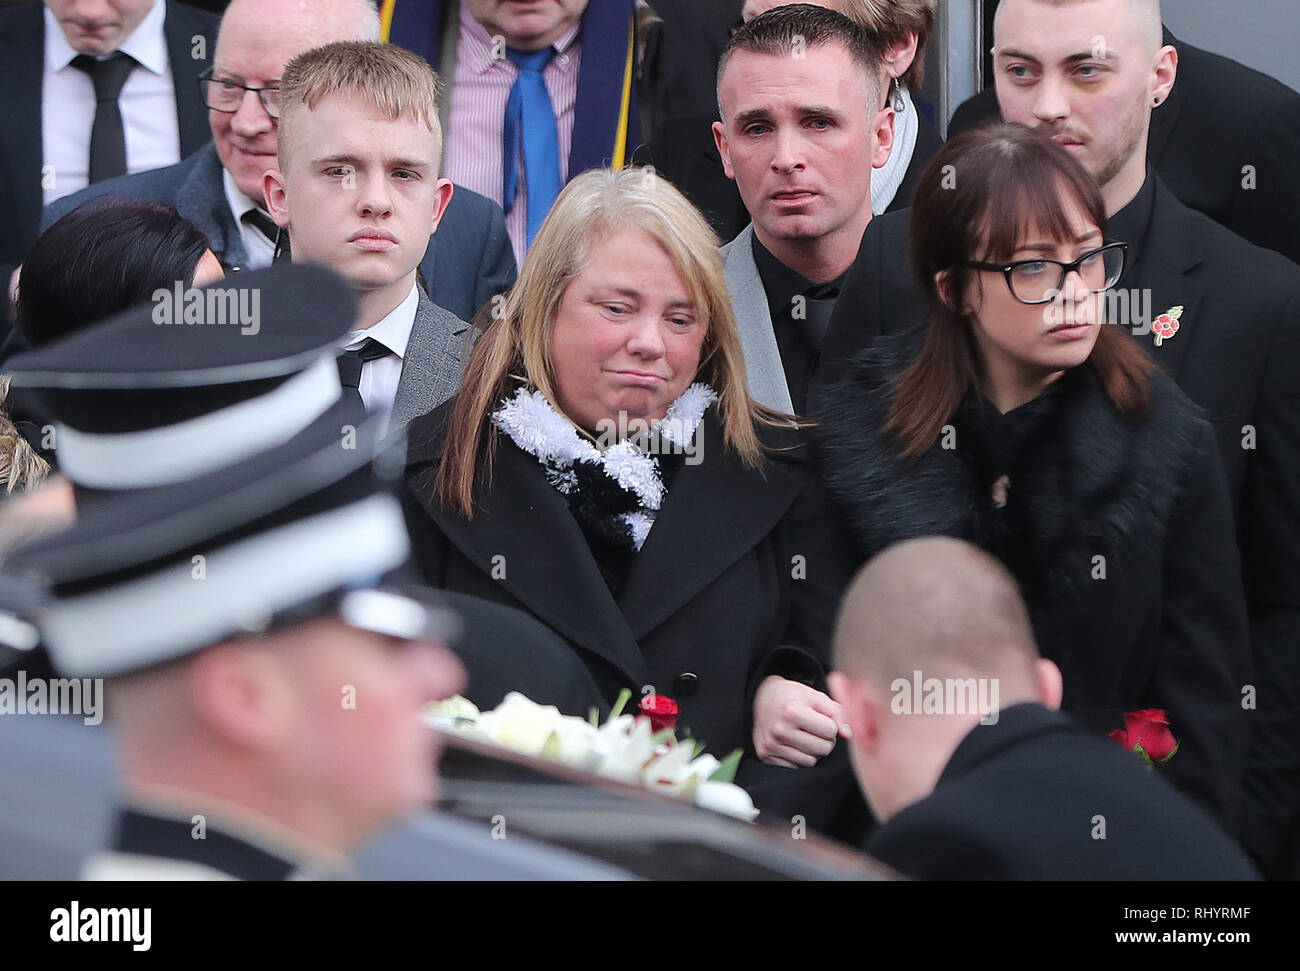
358, 189
219, 187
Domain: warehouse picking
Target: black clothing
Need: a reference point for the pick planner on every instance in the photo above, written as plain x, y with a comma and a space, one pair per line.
799, 324
1033, 797
1243, 177
1119, 533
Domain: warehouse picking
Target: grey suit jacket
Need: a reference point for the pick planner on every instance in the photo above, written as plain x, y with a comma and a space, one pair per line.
468, 261
435, 358
767, 384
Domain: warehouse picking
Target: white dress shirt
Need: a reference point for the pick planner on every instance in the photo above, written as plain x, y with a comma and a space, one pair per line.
261, 251
379, 378
147, 103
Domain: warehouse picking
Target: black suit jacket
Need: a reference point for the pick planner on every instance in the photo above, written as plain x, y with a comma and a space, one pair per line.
1236, 354
739, 577
1256, 123
22, 61
1034, 797
468, 261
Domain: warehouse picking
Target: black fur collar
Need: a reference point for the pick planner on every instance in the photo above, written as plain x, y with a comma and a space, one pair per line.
1096, 485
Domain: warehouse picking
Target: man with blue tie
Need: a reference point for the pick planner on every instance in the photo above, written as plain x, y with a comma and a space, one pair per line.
536, 94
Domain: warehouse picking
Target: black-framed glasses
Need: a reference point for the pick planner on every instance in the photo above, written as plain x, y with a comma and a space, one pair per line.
227, 96
1039, 281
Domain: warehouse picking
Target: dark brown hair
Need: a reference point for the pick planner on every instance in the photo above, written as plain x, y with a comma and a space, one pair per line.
784, 31
976, 201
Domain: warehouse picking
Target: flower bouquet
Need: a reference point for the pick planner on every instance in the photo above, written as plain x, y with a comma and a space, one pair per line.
639, 749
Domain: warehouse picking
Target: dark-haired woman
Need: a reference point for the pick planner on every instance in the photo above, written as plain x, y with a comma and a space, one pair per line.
1015, 418
103, 257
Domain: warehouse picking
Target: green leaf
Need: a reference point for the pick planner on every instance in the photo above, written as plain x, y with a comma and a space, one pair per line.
552, 749
726, 771
690, 788
699, 747
619, 702
661, 736
593, 716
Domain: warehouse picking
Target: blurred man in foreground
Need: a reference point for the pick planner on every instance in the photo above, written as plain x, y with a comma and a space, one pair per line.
962, 754
266, 690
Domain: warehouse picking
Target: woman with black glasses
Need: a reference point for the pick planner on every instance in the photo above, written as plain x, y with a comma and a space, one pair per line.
1017, 418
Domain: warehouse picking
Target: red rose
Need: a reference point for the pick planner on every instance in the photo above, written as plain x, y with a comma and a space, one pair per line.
1148, 729
661, 710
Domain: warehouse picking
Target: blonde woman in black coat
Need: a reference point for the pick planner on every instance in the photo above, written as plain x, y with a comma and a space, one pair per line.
604, 469
1017, 419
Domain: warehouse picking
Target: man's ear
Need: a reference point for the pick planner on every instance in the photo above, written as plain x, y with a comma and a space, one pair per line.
860, 711
720, 140
898, 57
1050, 683
276, 196
238, 695
1166, 71
883, 126
443, 199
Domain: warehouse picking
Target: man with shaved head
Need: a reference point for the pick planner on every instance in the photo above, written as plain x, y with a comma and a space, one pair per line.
219, 187
961, 752
1219, 315
1226, 141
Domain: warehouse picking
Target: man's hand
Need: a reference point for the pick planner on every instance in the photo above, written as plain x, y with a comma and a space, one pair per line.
794, 725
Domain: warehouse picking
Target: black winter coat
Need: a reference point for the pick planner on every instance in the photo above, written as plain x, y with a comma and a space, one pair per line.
1026, 799
1119, 533
739, 577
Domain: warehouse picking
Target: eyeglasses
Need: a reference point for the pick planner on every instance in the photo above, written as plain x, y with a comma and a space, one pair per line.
1040, 281
227, 96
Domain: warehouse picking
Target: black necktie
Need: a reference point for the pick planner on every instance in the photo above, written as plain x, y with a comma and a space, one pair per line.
350, 364
820, 304
107, 139
265, 225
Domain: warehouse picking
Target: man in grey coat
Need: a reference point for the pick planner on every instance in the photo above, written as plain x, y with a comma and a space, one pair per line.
358, 189
801, 130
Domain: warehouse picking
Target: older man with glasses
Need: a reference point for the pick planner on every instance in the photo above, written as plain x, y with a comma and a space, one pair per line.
219, 187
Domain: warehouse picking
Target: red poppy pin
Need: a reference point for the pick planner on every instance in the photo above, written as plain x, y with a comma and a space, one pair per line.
1166, 325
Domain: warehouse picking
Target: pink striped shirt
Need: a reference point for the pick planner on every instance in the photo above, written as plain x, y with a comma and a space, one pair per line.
479, 90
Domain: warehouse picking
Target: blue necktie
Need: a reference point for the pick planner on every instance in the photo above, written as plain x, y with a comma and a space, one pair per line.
530, 118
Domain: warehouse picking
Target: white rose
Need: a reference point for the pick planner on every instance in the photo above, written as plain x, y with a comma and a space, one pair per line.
728, 798
443, 713
625, 747
520, 724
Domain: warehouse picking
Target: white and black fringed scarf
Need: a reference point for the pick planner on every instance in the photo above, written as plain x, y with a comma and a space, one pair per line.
613, 493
